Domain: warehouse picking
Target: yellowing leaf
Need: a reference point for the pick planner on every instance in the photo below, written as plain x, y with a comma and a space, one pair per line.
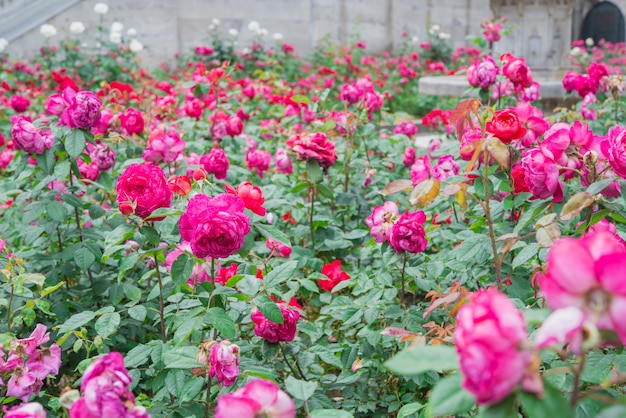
425, 192
498, 151
397, 186
460, 197
575, 205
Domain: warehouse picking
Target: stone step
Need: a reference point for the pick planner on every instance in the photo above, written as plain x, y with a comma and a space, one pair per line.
18, 17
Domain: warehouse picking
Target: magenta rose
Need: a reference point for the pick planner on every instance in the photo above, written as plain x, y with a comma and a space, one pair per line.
273, 332
224, 362
19, 103
542, 175
489, 335
614, 148
408, 233
26, 137
56, 104
483, 72
164, 147
102, 156
258, 160
214, 226
283, 162
141, 189
446, 167
314, 147
83, 109
26, 410
516, 70
259, 398
216, 162
132, 121
381, 221
420, 170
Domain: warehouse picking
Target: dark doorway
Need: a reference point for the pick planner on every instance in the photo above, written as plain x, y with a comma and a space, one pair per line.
604, 21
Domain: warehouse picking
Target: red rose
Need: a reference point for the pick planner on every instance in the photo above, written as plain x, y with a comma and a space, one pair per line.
132, 121
142, 189
251, 195
506, 126
334, 274
179, 184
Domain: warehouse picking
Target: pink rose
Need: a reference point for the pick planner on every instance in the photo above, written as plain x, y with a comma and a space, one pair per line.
408, 233
164, 147
542, 175
469, 141
587, 273
335, 276
193, 108
489, 335
563, 326
26, 410
102, 156
26, 137
216, 162
381, 220
614, 148
19, 103
483, 72
408, 159
314, 147
141, 189
83, 109
88, 171
251, 195
278, 248
214, 226
420, 170
258, 160
132, 121
283, 161
273, 332
516, 70
506, 125
446, 167
224, 362
407, 128
56, 104
257, 398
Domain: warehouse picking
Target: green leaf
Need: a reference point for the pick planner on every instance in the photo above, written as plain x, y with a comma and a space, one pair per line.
186, 328
137, 356
76, 321
151, 234
174, 382
75, 142
553, 404
182, 268
598, 186
507, 408
449, 398
221, 321
107, 324
269, 309
272, 232
416, 360
300, 389
56, 211
615, 411
409, 409
181, 358
72, 200
330, 413
138, 313
280, 274
84, 258
128, 262
299, 98
62, 170
314, 171
525, 254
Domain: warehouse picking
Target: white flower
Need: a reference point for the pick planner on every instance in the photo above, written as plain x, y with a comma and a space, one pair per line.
48, 31
434, 29
262, 32
233, 32
444, 35
415, 39
115, 37
211, 28
3, 44
270, 218
84, 45
254, 26
131, 32
246, 51
589, 41
101, 8
117, 27
277, 36
135, 45
575, 51
77, 27
216, 22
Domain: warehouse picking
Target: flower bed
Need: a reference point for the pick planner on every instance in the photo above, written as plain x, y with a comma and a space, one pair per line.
249, 233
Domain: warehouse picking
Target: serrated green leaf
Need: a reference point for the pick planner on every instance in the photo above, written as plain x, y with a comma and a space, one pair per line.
300, 389
181, 358
409, 409
280, 274
221, 321
56, 211
449, 398
76, 321
138, 312
84, 258
416, 360
269, 309
107, 324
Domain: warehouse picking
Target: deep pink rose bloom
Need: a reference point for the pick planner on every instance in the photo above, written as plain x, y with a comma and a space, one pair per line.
489, 334
563, 326
569, 81
614, 148
56, 104
588, 273
193, 108
19, 103
224, 361
83, 109
278, 248
350, 94
408, 159
469, 141
26, 137
506, 125
407, 128
491, 31
446, 167
273, 332
408, 233
214, 226
381, 220
102, 156
38, 337
111, 366
26, 410
141, 189
216, 162
420, 170
234, 125
164, 147
259, 398
198, 273
314, 147
88, 171
251, 195
23, 384
132, 121
516, 70
258, 160
542, 175
483, 72
283, 161
531, 94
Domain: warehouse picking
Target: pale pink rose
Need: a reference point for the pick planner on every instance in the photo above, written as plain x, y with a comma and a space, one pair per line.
259, 398
26, 410
446, 167
531, 94
23, 384
283, 161
381, 220
420, 170
278, 248
587, 273
489, 335
164, 147
563, 326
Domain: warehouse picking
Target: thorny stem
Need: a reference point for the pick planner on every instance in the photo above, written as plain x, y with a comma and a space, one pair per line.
492, 235
403, 280
207, 410
82, 240
9, 309
161, 303
577, 373
207, 407
282, 350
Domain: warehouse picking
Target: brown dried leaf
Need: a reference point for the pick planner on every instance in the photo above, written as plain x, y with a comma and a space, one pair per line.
425, 192
462, 115
548, 235
575, 205
499, 152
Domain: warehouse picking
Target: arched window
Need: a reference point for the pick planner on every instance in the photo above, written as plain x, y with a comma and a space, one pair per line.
604, 21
